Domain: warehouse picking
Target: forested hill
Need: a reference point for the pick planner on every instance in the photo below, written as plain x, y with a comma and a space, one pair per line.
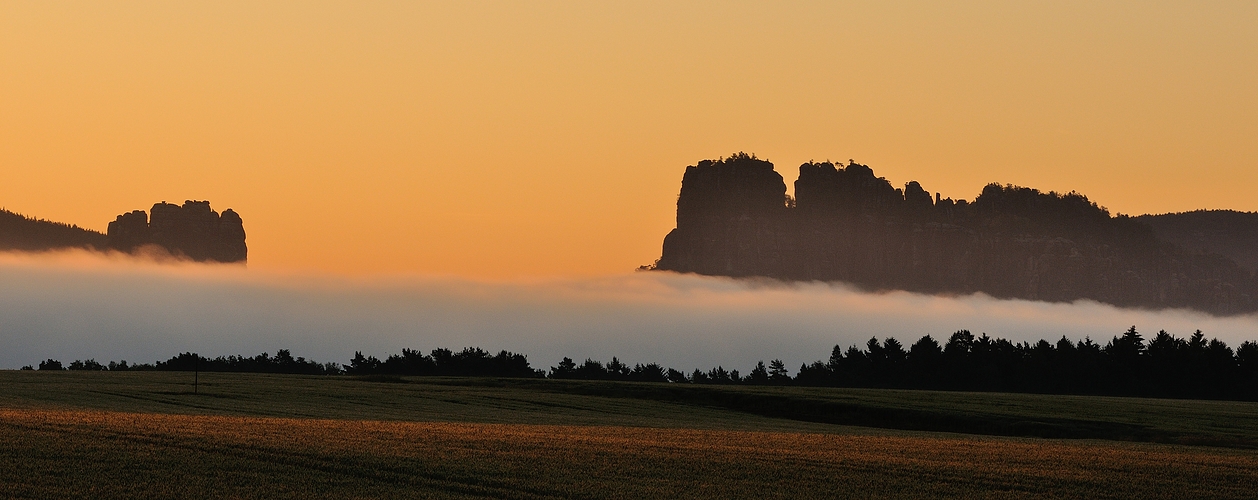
192, 230
18, 232
846, 224
1224, 232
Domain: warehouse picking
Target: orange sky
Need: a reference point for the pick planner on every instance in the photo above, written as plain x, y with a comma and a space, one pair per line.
500, 139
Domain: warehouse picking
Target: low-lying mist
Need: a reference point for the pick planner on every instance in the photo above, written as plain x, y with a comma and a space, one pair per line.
77, 305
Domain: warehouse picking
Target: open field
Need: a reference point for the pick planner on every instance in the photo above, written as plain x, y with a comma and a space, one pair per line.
248, 435
558, 402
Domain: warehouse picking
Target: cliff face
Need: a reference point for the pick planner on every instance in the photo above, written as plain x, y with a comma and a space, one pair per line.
728, 215
193, 230
846, 224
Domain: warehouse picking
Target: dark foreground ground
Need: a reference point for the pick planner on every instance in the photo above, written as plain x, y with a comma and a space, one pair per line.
133, 435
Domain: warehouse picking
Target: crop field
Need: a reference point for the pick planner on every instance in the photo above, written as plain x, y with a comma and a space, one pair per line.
262, 436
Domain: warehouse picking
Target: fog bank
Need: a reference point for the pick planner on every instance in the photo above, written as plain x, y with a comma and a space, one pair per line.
76, 305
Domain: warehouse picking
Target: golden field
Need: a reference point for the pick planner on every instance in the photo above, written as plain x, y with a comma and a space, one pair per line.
53, 453
133, 435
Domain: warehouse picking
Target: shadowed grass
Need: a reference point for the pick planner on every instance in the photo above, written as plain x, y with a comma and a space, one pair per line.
1215, 423
131, 434
141, 455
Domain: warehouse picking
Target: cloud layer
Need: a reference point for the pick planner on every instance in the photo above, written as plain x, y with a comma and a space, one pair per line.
77, 306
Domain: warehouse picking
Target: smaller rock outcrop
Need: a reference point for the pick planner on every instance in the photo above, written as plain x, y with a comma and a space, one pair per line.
193, 230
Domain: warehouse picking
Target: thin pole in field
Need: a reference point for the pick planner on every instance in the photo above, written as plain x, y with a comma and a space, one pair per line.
196, 374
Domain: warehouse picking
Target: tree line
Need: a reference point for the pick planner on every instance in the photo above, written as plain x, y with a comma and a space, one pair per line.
19, 232
470, 362
1126, 365
282, 362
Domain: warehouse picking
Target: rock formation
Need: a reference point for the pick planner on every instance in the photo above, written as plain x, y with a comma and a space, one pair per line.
193, 230
846, 224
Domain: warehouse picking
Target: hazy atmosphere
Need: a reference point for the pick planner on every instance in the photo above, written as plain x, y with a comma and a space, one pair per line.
449, 174
514, 139
574, 249
79, 306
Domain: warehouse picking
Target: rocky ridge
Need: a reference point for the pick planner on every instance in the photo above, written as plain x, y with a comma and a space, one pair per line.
192, 230
846, 224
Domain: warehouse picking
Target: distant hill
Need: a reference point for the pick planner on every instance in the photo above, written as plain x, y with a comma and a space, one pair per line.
846, 224
1228, 233
192, 230
19, 232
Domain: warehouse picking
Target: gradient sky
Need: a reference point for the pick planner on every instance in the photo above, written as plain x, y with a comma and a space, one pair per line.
500, 140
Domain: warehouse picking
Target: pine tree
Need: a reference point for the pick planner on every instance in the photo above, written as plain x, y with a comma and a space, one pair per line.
777, 371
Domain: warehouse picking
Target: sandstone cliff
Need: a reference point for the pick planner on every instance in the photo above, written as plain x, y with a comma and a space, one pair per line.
846, 224
192, 230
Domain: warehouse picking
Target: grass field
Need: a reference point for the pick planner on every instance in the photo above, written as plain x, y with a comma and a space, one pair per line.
246, 435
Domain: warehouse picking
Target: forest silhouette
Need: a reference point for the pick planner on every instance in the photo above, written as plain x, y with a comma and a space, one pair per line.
1164, 366
22, 233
